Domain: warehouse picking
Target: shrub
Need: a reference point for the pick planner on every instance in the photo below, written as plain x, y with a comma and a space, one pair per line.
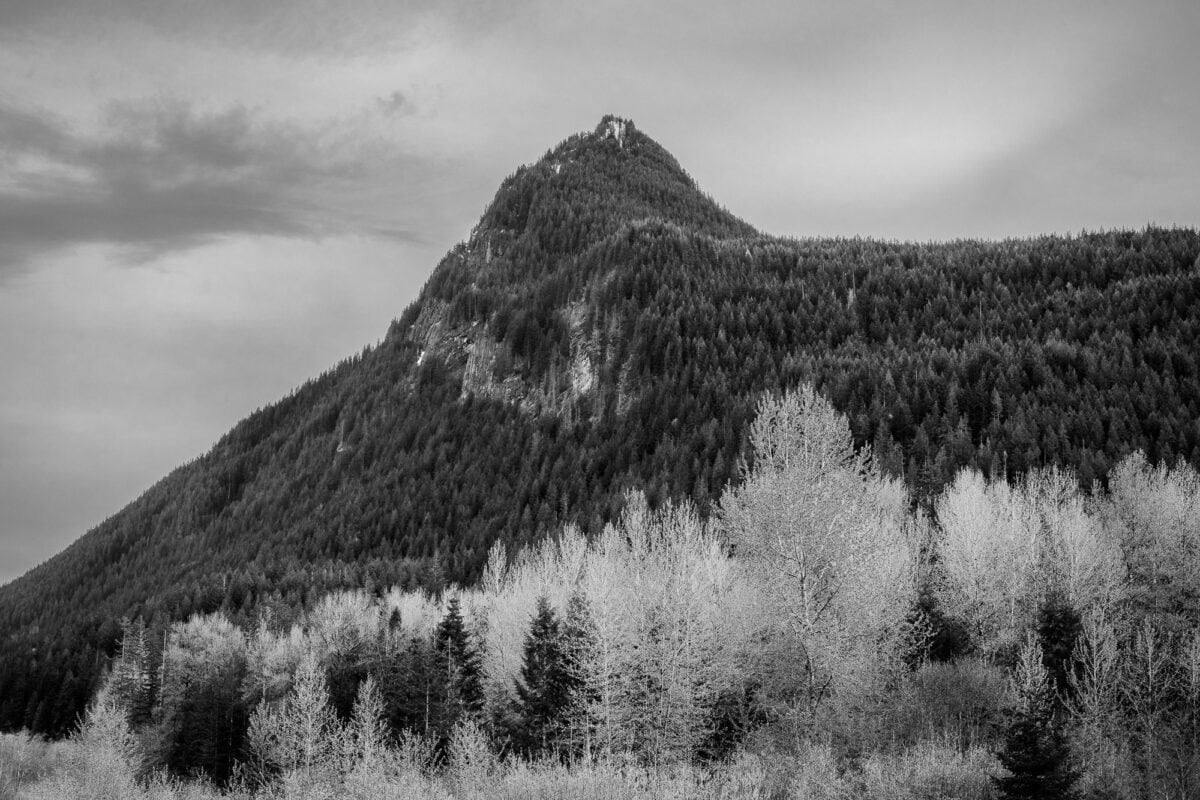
962, 702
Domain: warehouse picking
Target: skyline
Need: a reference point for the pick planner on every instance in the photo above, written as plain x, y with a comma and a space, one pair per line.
198, 213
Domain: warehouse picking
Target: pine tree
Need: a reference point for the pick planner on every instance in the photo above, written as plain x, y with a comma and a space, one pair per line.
544, 690
412, 685
1058, 628
462, 667
1035, 751
133, 677
1035, 754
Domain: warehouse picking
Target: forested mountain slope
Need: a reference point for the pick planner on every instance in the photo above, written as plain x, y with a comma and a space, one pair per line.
605, 326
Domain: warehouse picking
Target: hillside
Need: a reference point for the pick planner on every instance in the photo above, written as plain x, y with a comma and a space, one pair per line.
607, 325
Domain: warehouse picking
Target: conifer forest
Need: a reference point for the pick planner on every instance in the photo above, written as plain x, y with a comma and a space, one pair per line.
636, 501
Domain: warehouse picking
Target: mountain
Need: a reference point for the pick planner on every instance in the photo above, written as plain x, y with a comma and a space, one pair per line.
607, 325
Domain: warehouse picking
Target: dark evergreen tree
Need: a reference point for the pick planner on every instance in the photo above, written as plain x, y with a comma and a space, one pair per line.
544, 691
935, 635
413, 685
202, 728
1035, 753
736, 712
134, 677
461, 666
1058, 628
343, 674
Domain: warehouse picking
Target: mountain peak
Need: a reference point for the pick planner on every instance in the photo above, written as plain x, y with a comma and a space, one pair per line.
590, 185
615, 128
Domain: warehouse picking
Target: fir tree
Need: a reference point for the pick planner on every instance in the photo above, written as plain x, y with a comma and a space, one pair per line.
462, 667
1035, 752
545, 688
412, 682
133, 683
1058, 627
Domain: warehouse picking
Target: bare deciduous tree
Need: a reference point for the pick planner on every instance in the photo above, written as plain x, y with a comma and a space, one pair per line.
824, 540
1156, 513
988, 556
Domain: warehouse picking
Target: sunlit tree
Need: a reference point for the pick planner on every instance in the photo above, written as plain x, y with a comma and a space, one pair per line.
825, 541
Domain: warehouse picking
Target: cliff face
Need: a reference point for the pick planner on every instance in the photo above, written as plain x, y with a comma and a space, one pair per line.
487, 365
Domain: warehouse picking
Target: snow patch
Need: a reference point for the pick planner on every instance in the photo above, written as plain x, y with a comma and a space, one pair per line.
557, 167
421, 358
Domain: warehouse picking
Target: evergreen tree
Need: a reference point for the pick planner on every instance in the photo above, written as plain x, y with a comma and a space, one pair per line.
461, 664
1058, 628
133, 683
412, 683
545, 688
202, 714
1035, 751
1035, 754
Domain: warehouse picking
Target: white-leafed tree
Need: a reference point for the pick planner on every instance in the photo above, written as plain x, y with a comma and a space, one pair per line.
827, 547
1155, 512
988, 558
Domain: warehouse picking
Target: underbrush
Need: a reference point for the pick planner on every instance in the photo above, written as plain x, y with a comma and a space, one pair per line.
26, 760
104, 770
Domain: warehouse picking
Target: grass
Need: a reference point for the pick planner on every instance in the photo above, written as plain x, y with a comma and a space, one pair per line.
36, 770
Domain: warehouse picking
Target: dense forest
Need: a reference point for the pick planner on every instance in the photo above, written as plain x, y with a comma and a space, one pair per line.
607, 327
816, 637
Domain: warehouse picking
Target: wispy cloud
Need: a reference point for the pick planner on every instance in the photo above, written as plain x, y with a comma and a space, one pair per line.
397, 104
162, 175
306, 28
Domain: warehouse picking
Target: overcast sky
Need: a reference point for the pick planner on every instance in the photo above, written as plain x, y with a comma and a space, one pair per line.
204, 204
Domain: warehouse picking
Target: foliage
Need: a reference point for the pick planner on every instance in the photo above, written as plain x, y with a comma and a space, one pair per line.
26, 760
201, 713
961, 703
608, 326
1035, 751
544, 692
687, 641
459, 661
826, 545
1155, 513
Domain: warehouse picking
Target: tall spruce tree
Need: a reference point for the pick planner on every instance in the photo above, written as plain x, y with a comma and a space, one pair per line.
1035, 754
1058, 628
544, 691
412, 684
462, 666
134, 679
1035, 751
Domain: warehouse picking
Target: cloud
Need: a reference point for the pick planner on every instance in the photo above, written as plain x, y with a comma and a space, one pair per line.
299, 28
396, 104
162, 176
